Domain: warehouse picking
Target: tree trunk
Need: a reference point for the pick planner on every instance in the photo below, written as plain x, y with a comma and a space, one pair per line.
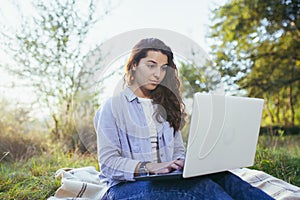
291, 103
269, 111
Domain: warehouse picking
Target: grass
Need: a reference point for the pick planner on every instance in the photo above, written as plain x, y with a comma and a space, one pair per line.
280, 157
34, 178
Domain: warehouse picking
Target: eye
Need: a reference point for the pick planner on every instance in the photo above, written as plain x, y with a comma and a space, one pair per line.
164, 67
150, 65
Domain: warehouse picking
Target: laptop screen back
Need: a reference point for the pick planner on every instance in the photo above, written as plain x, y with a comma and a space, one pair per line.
223, 133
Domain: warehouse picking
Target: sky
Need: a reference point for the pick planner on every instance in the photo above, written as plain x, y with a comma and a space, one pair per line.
189, 17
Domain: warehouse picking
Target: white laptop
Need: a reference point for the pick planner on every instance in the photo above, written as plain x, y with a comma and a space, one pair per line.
223, 135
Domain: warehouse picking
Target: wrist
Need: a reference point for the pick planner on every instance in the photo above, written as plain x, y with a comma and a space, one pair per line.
143, 170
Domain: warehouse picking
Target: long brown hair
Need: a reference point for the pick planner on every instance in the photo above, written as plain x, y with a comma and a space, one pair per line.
167, 95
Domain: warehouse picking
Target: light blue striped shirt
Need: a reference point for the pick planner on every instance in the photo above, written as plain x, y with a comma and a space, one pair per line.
123, 138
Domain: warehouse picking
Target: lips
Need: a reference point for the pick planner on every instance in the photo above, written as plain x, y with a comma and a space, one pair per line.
154, 82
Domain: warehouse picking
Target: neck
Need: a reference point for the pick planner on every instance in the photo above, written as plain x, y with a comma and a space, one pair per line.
140, 92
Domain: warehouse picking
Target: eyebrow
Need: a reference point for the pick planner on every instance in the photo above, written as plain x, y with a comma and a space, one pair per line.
153, 61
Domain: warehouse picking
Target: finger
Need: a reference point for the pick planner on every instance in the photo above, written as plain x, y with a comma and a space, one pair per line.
163, 171
175, 166
179, 163
160, 168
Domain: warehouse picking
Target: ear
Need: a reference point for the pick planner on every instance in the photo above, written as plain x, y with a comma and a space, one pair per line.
134, 67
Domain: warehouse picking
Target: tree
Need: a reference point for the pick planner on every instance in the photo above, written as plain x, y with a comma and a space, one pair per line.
259, 50
198, 78
50, 54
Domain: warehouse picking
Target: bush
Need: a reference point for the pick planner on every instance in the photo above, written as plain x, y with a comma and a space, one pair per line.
18, 147
280, 130
17, 141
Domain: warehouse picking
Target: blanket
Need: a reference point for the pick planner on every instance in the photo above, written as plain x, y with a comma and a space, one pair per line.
276, 188
84, 184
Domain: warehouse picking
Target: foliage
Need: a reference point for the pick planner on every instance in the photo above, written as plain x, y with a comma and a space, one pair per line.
279, 164
50, 54
28, 160
278, 130
14, 118
34, 179
19, 147
279, 156
259, 50
17, 138
197, 78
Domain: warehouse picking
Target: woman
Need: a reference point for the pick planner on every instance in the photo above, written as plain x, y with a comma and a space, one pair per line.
138, 132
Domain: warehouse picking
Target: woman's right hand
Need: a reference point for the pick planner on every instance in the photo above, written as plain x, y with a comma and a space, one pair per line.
165, 167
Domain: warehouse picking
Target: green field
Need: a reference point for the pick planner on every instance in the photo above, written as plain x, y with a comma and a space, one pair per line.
34, 178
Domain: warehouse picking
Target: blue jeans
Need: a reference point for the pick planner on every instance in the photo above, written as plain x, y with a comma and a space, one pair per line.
224, 185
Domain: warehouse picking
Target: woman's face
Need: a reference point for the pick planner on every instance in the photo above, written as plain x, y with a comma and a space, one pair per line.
150, 71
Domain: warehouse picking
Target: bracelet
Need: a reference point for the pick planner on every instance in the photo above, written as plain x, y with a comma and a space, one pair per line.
143, 170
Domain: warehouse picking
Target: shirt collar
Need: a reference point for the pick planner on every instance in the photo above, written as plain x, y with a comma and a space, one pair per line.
128, 93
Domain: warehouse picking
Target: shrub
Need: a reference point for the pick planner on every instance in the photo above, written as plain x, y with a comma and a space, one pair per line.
18, 147
280, 130
17, 141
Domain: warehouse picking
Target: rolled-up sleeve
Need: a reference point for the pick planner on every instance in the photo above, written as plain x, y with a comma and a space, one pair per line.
179, 149
113, 164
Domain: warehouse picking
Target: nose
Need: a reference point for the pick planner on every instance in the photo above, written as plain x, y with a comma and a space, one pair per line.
157, 72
